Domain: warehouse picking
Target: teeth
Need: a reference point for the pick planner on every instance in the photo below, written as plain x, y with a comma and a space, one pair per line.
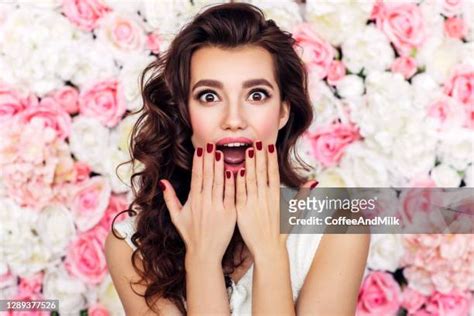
235, 144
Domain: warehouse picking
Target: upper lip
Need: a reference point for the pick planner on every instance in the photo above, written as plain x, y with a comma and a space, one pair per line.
228, 140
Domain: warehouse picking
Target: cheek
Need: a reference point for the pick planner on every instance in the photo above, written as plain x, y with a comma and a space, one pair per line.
266, 126
202, 128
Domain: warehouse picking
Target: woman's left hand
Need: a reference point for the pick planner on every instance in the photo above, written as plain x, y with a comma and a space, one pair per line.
258, 201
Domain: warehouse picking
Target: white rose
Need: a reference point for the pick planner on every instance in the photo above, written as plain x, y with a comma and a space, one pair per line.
88, 141
285, 13
468, 16
130, 79
423, 88
331, 177
469, 176
68, 290
413, 150
167, 16
44, 4
129, 7
386, 251
368, 49
350, 86
439, 55
363, 167
107, 296
456, 147
56, 228
336, 21
324, 102
445, 176
119, 179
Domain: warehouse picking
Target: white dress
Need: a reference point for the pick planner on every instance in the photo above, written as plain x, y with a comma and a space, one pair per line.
301, 250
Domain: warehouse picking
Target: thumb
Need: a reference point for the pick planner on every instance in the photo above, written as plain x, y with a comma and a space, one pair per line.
171, 200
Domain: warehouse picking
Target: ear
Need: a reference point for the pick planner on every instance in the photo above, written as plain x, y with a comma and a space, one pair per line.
284, 114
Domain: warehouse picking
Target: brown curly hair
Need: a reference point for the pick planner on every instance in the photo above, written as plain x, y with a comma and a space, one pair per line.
161, 138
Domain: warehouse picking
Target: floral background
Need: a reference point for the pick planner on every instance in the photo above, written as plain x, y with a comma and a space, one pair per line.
392, 85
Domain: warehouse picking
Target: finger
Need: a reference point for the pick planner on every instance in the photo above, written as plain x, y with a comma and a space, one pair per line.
261, 170
229, 193
241, 198
305, 189
208, 172
218, 187
196, 179
250, 177
171, 200
273, 172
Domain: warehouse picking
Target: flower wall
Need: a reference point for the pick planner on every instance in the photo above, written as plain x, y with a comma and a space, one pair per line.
392, 85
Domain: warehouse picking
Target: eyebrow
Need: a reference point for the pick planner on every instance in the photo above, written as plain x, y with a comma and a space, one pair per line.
245, 84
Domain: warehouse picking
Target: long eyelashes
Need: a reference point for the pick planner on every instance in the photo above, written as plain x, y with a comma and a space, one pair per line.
199, 96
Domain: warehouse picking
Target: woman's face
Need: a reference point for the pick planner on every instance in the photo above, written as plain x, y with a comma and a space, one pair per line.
234, 98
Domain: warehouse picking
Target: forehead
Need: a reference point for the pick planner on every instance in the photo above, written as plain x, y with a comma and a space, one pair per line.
231, 64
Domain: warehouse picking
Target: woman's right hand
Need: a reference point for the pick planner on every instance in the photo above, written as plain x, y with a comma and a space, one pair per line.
207, 220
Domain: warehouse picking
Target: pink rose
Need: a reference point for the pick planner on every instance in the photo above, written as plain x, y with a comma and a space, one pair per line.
447, 111
103, 100
451, 8
412, 300
455, 28
28, 297
81, 171
32, 284
456, 303
117, 204
316, 53
418, 202
122, 33
153, 42
67, 98
84, 13
328, 142
13, 102
90, 202
85, 257
97, 310
460, 84
402, 23
336, 72
404, 65
51, 115
379, 294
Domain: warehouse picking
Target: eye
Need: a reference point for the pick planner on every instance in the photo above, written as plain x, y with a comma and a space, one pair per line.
259, 95
207, 96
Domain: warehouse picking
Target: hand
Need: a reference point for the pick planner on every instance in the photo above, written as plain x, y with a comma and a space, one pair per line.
207, 220
258, 200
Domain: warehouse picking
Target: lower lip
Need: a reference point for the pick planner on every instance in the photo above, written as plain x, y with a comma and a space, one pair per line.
234, 168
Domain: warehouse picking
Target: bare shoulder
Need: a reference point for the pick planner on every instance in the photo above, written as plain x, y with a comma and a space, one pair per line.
119, 261
336, 271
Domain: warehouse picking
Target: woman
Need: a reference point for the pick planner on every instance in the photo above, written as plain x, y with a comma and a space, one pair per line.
223, 109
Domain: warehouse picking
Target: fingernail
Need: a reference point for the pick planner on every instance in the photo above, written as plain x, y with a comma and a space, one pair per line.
199, 151
209, 147
228, 174
218, 155
242, 172
259, 145
162, 185
313, 185
271, 148
251, 153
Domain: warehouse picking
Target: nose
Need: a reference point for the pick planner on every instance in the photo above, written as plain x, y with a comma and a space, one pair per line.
234, 117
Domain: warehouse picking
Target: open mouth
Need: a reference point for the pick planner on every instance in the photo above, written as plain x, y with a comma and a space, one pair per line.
234, 155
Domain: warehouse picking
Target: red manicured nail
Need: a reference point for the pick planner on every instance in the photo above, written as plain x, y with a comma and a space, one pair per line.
271, 148
313, 185
218, 155
162, 185
259, 145
242, 172
209, 147
228, 174
199, 151
251, 153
